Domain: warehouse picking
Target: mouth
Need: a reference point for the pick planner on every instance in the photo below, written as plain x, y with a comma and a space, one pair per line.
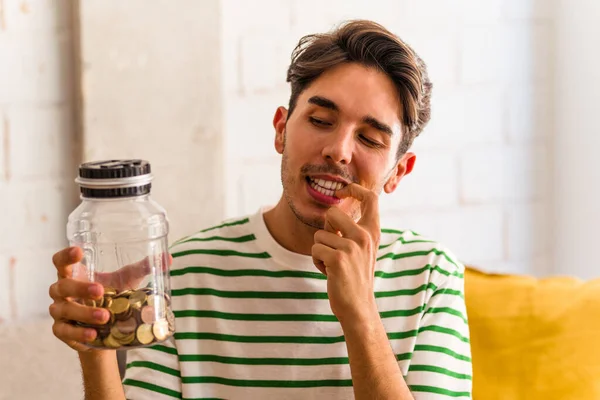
323, 190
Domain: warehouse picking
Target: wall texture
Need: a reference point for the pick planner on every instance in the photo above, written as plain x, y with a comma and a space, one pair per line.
38, 155
576, 171
38, 150
150, 89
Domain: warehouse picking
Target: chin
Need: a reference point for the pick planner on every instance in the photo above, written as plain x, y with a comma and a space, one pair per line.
307, 214
310, 218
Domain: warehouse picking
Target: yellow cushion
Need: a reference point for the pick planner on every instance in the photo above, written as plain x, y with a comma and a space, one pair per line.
533, 338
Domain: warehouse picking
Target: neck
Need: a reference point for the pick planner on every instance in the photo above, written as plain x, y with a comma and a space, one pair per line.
287, 230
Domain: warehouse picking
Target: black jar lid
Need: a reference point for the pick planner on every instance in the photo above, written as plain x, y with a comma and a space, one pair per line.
115, 178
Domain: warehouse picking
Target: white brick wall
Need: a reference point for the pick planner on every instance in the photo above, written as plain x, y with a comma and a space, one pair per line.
482, 175
37, 163
38, 154
576, 193
474, 233
503, 174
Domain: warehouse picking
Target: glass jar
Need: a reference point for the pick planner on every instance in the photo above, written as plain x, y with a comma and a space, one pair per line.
123, 235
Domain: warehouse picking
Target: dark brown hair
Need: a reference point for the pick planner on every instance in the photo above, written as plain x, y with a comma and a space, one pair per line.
369, 44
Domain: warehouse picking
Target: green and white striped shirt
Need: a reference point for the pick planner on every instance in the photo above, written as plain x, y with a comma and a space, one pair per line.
253, 321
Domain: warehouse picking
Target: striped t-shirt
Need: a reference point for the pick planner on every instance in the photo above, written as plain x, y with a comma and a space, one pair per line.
253, 321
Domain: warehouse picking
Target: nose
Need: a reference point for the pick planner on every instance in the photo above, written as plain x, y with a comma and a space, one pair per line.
339, 146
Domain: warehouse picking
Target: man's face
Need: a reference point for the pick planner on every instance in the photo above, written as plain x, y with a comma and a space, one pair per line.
344, 129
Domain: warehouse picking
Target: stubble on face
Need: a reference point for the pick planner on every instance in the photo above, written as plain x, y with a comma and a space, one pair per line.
289, 181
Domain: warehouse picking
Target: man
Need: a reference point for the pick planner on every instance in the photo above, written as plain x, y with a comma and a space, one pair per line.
310, 298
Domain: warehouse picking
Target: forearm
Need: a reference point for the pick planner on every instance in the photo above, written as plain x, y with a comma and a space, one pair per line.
374, 368
101, 379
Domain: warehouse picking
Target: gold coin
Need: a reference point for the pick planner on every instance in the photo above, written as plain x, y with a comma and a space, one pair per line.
125, 293
100, 302
161, 330
127, 339
137, 299
117, 334
111, 342
144, 334
171, 320
89, 303
124, 315
109, 291
147, 290
107, 302
119, 305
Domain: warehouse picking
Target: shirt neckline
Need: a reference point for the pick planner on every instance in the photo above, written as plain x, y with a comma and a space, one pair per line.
279, 254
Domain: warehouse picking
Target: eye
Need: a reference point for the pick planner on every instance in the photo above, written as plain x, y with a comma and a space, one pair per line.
318, 122
369, 142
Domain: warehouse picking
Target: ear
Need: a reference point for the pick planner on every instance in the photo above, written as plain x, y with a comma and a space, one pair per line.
404, 167
279, 120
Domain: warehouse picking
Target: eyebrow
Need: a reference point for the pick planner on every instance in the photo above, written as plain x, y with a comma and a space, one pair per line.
380, 126
369, 120
323, 102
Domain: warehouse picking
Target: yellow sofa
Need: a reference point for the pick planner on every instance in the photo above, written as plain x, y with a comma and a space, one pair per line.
533, 339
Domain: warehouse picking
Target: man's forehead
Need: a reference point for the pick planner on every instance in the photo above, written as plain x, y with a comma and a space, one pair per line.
355, 86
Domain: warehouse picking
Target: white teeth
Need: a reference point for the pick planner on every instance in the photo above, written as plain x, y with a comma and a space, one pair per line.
322, 190
331, 185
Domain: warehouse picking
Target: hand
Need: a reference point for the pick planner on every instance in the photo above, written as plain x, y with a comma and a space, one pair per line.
346, 251
66, 289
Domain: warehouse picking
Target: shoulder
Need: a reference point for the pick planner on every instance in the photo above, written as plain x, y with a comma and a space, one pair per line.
408, 250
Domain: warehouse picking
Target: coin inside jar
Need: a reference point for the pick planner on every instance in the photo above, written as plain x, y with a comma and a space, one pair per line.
138, 317
160, 330
128, 339
171, 320
119, 305
89, 303
107, 302
156, 301
137, 299
124, 315
148, 314
144, 334
125, 293
127, 326
111, 342
117, 334
147, 290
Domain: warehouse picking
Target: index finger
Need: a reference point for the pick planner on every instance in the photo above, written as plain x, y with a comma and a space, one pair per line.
63, 260
369, 204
